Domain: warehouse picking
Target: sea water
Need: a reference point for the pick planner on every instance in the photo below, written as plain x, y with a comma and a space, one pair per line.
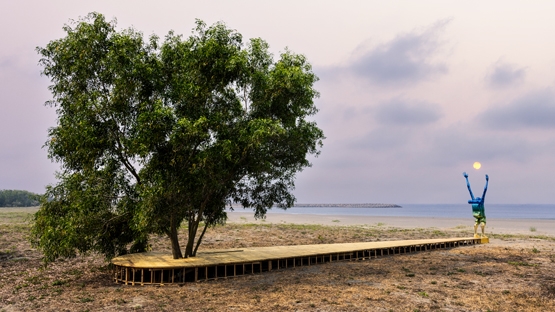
496, 211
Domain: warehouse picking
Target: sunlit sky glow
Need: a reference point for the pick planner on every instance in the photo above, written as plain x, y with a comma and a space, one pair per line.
412, 92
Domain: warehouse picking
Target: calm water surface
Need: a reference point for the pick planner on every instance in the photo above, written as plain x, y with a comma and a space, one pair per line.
497, 211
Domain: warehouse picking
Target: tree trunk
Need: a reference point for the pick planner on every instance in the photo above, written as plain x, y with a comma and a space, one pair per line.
176, 249
193, 225
200, 239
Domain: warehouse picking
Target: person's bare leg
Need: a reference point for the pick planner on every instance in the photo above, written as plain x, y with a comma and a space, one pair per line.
483, 229
476, 230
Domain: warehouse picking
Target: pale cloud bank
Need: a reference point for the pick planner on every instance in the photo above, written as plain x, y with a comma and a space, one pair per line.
406, 59
534, 110
409, 99
504, 74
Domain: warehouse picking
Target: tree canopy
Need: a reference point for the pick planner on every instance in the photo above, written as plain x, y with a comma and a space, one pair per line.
152, 134
17, 198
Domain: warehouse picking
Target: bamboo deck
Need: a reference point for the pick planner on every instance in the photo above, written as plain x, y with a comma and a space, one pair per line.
160, 269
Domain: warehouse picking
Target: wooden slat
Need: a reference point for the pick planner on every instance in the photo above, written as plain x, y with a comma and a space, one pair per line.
154, 260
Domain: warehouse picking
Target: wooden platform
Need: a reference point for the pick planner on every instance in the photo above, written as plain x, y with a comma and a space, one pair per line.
158, 268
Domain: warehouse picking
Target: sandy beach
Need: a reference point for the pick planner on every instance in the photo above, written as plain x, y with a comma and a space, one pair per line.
494, 226
514, 272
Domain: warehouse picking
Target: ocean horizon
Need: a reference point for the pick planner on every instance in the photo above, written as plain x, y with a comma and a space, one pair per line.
495, 211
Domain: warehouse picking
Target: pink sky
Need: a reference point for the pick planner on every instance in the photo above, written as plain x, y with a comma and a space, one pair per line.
412, 92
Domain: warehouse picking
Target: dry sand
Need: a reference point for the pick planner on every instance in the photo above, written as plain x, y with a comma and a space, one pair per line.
495, 226
515, 272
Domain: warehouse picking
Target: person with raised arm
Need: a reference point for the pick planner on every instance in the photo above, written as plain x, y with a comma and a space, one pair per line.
478, 210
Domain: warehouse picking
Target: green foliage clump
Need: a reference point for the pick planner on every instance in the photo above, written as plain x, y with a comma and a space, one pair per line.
17, 198
154, 134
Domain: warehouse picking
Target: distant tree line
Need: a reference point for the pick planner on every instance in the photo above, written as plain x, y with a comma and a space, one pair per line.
17, 198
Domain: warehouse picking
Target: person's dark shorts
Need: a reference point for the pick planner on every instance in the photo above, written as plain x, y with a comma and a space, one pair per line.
479, 218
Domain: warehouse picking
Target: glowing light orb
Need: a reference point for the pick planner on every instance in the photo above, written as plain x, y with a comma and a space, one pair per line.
477, 165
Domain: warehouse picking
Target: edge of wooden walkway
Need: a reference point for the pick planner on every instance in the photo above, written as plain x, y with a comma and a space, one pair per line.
161, 268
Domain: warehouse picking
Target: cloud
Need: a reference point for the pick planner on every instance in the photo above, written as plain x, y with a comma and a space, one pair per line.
504, 75
408, 58
399, 112
383, 138
533, 110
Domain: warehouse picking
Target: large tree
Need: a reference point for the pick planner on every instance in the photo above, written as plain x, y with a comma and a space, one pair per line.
151, 135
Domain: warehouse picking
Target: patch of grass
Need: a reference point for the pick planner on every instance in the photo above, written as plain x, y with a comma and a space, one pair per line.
438, 233
521, 263
532, 229
59, 283
549, 238
380, 224
409, 274
86, 299
334, 220
423, 294
461, 270
75, 272
534, 250
254, 225
311, 227
15, 217
522, 236
35, 280
433, 282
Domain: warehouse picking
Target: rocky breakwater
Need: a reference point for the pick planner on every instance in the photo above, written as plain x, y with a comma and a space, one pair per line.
349, 205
